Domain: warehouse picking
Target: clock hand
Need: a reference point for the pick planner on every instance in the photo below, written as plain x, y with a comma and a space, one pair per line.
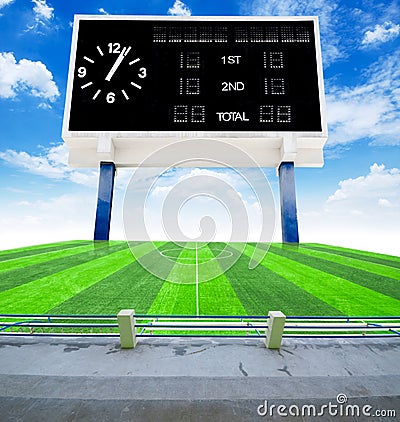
121, 57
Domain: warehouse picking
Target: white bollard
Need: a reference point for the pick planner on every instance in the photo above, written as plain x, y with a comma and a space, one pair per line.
127, 330
273, 334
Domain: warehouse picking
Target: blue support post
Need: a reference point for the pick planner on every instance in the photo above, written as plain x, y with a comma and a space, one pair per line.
290, 231
104, 201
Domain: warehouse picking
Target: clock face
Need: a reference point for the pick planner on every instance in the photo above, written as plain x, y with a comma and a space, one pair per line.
110, 73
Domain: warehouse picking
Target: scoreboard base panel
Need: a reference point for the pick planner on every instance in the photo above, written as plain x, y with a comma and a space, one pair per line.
125, 152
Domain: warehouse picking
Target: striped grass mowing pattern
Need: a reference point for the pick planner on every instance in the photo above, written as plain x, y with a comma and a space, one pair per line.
216, 296
85, 278
377, 283
40, 295
383, 259
178, 298
26, 261
347, 297
266, 288
375, 268
131, 287
34, 250
19, 276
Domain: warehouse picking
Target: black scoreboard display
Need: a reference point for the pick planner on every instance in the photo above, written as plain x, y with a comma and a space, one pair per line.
195, 75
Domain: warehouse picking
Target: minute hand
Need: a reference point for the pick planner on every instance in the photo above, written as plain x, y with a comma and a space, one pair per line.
116, 65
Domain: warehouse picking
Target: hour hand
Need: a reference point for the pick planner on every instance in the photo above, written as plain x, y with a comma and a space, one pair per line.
119, 60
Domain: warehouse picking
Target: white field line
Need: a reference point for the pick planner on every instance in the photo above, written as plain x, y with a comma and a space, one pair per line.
197, 282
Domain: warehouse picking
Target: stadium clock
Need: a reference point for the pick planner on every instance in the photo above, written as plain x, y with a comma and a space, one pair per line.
110, 72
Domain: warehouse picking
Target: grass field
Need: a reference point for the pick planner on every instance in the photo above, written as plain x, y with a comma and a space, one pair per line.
80, 277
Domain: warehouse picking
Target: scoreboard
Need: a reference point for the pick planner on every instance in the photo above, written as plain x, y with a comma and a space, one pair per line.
219, 76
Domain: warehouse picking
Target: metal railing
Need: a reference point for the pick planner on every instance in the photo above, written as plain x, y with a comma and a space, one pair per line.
59, 325
227, 326
341, 327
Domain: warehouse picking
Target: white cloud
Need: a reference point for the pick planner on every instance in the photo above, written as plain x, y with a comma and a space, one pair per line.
52, 164
185, 182
381, 33
321, 8
370, 109
181, 200
43, 15
102, 11
379, 183
43, 12
383, 202
244, 182
66, 217
324, 9
71, 216
179, 9
363, 213
4, 3
45, 106
161, 191
25, 76
229, 176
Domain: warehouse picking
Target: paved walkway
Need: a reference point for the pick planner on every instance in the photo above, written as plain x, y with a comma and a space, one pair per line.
192, 379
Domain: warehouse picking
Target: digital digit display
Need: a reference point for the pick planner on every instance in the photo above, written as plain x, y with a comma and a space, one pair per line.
177, 75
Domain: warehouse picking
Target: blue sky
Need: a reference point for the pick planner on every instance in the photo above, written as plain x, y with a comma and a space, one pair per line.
354, 200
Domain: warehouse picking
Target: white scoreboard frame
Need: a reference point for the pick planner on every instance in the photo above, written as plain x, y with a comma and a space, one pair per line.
130, 148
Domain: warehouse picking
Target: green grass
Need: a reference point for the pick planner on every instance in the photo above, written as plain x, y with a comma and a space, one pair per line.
216, 296
361, 264
363, 255
385, 285
16, 277
176, 298
42, 294
347, 297
27, 261
263, 289
34, 250
80, 277
130, 287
